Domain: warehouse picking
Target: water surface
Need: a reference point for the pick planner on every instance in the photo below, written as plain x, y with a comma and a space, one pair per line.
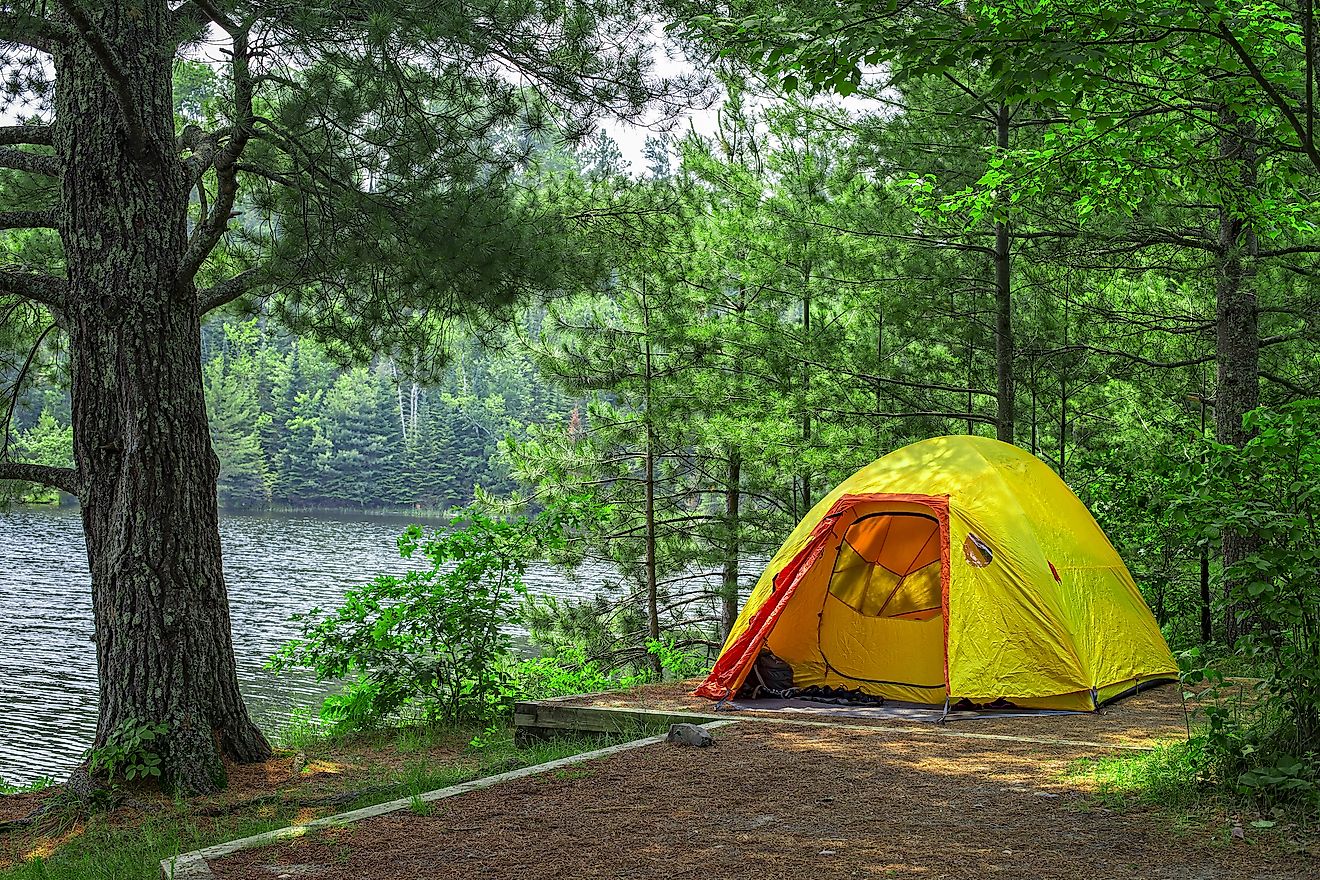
275, 565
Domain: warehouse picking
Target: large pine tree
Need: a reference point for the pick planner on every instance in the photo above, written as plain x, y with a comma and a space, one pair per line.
356, 176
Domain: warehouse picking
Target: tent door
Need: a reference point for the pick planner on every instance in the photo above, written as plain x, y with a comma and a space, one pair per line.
881, 625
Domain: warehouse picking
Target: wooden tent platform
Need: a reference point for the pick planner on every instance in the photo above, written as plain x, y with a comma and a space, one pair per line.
1138, 721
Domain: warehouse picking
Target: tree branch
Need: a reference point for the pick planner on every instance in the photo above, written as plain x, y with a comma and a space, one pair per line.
40, 135
32, 163
213, 227
28, 219
105, 56
1135, 358
215, 14
1275, 96
203, 145
36, 286
62, 478
226, 291
32, 31
1287, 383
18, 387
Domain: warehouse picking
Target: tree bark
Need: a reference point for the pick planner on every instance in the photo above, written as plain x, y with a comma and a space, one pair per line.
806, 476
1003, 256
652, 580
1237, 336
732, 549
141, 441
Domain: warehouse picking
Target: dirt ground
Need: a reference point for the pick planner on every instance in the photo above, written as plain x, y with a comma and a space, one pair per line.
325, 779
785, 801
1151, 716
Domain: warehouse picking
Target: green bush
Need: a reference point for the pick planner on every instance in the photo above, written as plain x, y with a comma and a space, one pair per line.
677, 660
128, 753
565, 672
1266, 745
430, 644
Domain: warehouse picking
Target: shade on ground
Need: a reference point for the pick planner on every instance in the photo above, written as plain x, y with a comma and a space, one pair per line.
780, 801
1153, 716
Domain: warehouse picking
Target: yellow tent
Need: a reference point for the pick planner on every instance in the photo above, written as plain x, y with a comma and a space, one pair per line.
957, 567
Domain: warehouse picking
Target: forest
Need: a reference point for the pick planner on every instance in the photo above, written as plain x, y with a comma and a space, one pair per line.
1085, 229
293, 429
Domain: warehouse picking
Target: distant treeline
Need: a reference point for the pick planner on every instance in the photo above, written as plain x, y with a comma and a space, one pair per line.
294, 429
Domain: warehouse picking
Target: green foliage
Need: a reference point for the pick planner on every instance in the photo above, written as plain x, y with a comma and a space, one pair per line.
40, 784
46, 442
300, 730
419, 807
128, 753
432, 642
567, 671
676, 660
294, 429
1268, 746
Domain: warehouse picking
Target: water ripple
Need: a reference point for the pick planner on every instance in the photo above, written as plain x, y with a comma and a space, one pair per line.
275, 565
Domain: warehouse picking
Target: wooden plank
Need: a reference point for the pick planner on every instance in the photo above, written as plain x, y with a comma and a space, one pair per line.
546, 718
193, 865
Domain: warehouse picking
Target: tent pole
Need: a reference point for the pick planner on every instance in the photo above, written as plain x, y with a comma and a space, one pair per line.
946, 708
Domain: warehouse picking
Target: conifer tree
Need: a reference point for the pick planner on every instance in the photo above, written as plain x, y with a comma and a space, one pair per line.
356, 174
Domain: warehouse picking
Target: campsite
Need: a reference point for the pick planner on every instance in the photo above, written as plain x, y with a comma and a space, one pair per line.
654, 439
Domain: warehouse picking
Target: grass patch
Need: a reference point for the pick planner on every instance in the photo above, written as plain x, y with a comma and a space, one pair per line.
41, 784
1170, 775
385, 765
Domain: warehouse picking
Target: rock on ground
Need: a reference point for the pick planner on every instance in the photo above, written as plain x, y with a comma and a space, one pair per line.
690, 735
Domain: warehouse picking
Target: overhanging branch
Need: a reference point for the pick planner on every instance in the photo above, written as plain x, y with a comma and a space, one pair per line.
226, 291
32, 31
32, 163
1272, 92
35, 286
213, 227
39, 135
62, 478
1292, 386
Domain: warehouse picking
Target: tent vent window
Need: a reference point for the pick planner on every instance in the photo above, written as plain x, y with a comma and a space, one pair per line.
976, 552
889, 566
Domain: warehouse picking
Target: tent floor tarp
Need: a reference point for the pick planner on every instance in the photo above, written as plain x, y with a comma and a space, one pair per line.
889, 711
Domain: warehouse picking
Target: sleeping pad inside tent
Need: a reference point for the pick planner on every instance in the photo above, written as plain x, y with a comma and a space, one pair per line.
954, 569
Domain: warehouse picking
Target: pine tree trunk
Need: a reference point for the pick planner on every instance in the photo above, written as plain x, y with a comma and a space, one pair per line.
732, 547
652, 584
805, 485
141, 441
1237, 337
1003, 255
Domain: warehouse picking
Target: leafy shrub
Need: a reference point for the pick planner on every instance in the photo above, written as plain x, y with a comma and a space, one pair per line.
568, 671
430, 643
1267, 745
127, 752
612, 635
678, 660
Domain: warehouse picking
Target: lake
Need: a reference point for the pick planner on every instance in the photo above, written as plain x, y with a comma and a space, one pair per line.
275, 565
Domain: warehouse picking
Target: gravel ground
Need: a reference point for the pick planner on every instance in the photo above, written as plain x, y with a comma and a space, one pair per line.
784, 801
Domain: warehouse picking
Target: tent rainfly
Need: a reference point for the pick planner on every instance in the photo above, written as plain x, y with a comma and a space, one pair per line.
956, 568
